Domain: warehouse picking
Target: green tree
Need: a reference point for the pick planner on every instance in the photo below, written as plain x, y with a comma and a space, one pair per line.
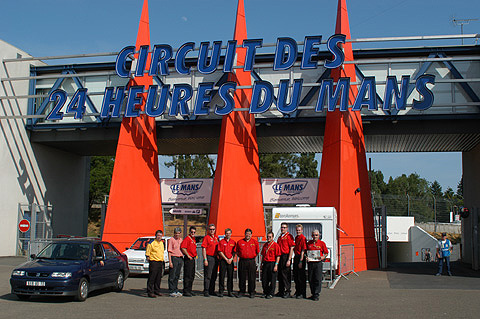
192, 166
288, 165
277, 165
377, 183
436, 189
101, 170
306, 166
460, 188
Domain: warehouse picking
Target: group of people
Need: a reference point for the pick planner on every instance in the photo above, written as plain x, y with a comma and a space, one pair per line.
218, 259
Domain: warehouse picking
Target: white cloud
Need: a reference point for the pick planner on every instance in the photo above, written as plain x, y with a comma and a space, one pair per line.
184, 18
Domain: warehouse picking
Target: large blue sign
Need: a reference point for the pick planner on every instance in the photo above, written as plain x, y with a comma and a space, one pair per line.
163, 98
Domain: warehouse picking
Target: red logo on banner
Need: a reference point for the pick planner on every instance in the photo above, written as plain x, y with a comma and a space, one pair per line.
24, 225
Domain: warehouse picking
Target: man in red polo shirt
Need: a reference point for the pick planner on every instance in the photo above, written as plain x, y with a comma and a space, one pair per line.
317, 251
210, 261
299, 275
286, 243
247, 250
226, 252
270, 258
189, 250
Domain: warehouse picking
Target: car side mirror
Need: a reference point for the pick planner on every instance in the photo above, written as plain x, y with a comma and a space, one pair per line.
33, 256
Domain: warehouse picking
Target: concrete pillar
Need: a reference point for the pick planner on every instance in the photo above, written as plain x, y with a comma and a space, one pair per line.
35, 174
471, 193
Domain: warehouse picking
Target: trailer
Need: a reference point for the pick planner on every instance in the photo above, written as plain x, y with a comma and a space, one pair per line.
322, 218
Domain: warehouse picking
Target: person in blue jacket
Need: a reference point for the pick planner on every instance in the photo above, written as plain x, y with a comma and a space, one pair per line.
444, 248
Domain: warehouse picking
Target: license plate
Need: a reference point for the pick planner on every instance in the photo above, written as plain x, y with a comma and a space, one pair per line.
136, 267
36, 283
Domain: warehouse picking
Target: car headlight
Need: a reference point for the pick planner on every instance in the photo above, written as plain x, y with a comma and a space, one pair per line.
61, 274
18, 273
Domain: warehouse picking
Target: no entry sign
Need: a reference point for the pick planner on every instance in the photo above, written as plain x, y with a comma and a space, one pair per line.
24, 225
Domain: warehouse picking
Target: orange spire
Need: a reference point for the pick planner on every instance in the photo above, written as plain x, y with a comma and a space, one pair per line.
237, 193
344, 167
134, 205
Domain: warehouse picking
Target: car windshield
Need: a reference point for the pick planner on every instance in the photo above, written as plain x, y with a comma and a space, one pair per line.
141, 243
65, 251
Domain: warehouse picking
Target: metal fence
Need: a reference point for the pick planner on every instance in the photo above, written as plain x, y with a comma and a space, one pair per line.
424, 209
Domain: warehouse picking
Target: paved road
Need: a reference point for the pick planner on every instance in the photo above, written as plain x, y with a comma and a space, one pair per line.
401, 292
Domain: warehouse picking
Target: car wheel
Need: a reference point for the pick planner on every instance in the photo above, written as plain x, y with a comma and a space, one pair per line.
23, 297
82, 292
119, 282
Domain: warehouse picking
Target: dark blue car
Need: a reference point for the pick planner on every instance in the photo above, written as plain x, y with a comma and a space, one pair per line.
71, 267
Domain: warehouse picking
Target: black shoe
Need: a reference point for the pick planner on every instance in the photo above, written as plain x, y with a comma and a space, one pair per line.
314, 298
187, 294
240, 295
158, 294
252, 295
279, 294
287, 295
268, 297
193, 294
152, 296
220, 294
299, 297
230, 294
206, 294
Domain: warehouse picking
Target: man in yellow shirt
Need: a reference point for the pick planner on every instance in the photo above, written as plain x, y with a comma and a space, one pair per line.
155, 257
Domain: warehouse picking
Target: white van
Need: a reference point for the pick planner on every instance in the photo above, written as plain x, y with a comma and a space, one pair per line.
322, 218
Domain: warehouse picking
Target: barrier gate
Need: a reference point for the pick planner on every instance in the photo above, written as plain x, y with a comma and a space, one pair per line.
40, 233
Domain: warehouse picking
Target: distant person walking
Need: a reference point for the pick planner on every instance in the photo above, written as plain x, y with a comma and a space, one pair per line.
444, 249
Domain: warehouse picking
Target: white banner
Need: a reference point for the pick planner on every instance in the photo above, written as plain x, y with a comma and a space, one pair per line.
180, 190
289, 190
275, 190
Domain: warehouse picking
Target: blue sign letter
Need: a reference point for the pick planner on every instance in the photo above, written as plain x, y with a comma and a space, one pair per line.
134, 100
223, 91
285, 46
309, 51
251, 46
121, 59
203, 97
400, 97
258, 87
160, 57
182, 93
282, 96
202, 65
368, 85
338, 55
421, 86
180, 58
109, 100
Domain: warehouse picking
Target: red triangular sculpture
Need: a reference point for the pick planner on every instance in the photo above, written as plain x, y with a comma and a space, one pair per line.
237, 193
344, 167
134, 205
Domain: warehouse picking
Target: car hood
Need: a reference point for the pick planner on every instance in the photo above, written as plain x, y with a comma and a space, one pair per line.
46, 265
131, 253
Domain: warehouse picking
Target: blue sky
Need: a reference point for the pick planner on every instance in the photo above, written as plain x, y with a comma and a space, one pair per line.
58, 27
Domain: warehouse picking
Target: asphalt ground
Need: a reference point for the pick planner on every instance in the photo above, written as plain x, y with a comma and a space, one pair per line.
403, 291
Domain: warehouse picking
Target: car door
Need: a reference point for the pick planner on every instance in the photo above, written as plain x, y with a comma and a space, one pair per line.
98, 271
113, 262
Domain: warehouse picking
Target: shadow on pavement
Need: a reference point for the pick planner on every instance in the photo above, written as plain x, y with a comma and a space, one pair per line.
422, 276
